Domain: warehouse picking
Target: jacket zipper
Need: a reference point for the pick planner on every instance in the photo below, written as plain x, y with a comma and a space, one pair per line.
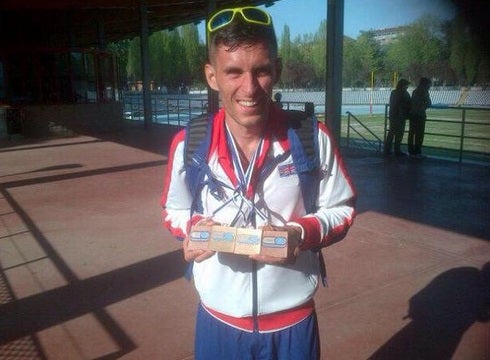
255, 297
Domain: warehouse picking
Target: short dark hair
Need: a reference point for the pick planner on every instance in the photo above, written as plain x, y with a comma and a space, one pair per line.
425, 82
241, 33
402, 83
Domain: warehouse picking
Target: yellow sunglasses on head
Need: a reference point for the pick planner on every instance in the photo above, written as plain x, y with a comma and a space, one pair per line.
250, 14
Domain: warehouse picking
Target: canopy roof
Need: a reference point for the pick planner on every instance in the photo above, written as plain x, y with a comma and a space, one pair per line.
87, 23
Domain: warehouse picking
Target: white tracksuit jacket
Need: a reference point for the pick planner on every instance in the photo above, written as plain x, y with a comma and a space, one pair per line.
224, 281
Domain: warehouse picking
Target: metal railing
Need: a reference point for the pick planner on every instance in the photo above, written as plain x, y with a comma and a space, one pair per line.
459, 137
178, 110
464, 134
171, 110
456, 135
353, 123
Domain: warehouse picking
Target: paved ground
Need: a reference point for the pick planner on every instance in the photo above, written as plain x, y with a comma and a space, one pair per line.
87, 272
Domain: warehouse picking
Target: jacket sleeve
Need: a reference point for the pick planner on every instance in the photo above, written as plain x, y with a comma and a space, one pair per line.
176, 199
336, 200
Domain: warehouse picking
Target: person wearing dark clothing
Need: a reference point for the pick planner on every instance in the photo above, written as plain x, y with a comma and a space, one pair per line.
420, 102
398, 115
277, 99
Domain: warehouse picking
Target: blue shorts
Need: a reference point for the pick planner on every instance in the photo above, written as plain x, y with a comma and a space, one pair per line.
217, 340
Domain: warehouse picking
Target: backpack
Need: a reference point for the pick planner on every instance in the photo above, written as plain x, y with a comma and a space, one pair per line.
303, 138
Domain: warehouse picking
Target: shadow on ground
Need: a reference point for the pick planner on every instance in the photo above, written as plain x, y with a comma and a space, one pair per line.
440, 314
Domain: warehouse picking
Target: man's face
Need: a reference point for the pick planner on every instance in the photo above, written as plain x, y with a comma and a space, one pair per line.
244, 78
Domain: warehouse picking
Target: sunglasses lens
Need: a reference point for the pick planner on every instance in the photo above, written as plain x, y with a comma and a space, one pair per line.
221, 19
249, 14
255, 15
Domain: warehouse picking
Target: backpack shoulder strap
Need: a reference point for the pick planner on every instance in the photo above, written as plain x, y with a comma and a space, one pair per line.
196, 132
303, 138
197, 142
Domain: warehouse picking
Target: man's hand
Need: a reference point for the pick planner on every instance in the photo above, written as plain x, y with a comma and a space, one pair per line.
197, 255
294, 242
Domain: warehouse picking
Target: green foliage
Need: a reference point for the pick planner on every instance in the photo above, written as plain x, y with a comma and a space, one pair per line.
467, 58
121, 50
133, 67
448, 53
194, 54
361, 58
158, 56
418, 49
318, 54
285, 53
176, 58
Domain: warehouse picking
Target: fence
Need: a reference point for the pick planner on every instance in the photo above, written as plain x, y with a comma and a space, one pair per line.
176, 110
172, 110
460, 133
459, 97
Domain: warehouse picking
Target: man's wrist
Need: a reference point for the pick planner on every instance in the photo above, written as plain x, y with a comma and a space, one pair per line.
311, 234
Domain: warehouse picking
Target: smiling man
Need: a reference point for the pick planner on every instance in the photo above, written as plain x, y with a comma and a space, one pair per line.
257, 305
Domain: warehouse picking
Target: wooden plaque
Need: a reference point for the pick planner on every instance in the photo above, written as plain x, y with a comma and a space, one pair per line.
222, 238
275, 243
248, 241
199, 237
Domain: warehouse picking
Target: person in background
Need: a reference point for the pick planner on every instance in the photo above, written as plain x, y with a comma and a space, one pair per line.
398, 115
277, 99
255, 306
420, 103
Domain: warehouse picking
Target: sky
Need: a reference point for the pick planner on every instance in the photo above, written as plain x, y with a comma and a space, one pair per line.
305, 16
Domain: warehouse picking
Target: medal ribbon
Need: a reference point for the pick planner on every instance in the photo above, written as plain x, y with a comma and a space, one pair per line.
244, 176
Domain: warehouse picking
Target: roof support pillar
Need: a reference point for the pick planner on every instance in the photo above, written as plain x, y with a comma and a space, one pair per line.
145, 65
335, 38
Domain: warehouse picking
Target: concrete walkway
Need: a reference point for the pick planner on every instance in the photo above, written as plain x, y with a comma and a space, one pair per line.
88, 272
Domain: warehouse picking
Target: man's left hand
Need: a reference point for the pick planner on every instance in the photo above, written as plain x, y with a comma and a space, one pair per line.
294, 242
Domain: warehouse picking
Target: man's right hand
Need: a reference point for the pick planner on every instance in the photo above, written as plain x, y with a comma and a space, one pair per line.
195, 255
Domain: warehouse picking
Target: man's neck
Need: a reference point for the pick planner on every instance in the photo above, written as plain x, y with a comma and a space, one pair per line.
246, 139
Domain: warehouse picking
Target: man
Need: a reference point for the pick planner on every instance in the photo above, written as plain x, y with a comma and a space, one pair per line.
420, 103
398, 115
255, 306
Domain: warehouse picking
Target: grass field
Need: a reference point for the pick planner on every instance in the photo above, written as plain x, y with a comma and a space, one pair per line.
443, 133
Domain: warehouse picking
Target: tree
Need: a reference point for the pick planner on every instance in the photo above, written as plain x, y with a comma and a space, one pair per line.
319, 55
194, 54
133, 67
298, 70
177, 64
349, 75
416, 51
467, 58
448, 53
303, 59
361, 58
158, 57
300, 74
120, 50
285, 54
